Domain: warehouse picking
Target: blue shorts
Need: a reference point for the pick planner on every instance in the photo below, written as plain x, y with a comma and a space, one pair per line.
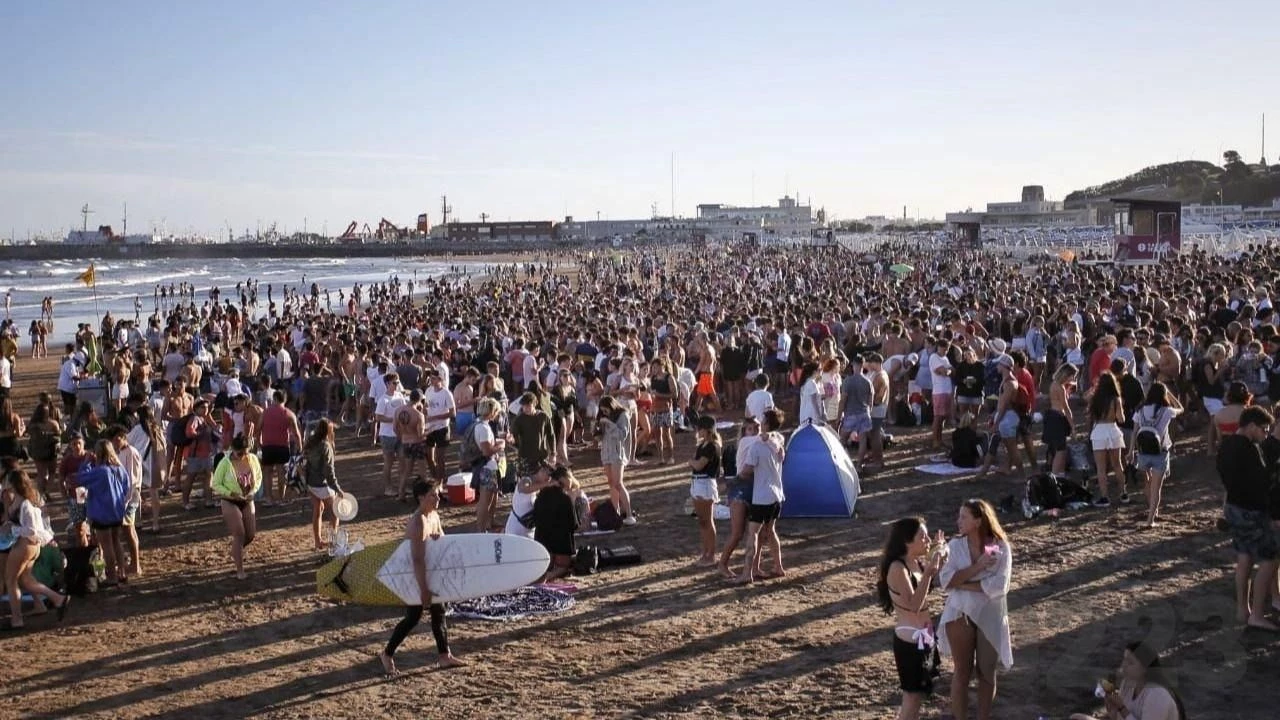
463, 421
389, 444
739, 490
855, 424
1008, 425
1158, 463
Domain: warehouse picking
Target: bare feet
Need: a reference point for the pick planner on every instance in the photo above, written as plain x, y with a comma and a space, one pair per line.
449, 661
1262, 623
242, 575
705, 562
743, 580
775, 573
388, 666
725, 571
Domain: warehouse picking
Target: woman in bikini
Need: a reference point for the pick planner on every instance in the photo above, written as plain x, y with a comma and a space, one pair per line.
1226, 420
235, 481
907, 570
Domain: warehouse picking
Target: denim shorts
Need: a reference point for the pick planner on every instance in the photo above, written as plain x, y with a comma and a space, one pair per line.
131, 513
739, 490
1008, 426
484, 478
195, 465
1159, 462
855, 423
389, 443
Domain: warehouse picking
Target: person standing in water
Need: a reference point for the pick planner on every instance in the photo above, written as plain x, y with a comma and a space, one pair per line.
423, 525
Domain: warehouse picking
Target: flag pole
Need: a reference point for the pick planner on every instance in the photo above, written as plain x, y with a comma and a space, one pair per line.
93, 273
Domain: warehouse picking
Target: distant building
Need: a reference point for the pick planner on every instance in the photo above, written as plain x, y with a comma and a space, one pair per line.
104, 235
521, 231
1032, 211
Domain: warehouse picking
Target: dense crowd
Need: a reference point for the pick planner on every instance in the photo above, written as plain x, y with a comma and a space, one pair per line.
237, 404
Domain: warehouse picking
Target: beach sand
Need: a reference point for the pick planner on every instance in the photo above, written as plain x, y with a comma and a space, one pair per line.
658, 640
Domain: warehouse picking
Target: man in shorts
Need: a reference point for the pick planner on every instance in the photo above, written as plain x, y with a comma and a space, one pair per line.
385, 417
762, 464
440, 411
855, 414
940, 371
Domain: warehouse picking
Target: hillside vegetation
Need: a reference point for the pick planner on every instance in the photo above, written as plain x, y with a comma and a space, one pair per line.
1193, 181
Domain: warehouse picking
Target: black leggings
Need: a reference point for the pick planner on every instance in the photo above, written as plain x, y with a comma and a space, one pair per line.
412, 616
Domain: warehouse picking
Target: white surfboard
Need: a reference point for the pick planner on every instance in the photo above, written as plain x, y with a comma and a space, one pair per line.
459, 567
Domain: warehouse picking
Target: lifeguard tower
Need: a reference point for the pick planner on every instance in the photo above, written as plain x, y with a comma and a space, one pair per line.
967, 235
1147, 230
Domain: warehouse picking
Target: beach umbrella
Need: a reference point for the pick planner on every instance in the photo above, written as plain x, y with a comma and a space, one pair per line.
901, 268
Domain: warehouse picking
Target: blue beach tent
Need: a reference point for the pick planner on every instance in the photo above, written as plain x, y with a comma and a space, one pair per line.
818, 477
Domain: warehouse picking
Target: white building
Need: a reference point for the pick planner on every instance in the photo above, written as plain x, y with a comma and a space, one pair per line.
1032, 211
104, 235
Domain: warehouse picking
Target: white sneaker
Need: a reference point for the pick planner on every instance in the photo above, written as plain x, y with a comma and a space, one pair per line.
629, 520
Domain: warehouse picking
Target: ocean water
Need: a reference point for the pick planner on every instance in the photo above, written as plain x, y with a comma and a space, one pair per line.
119, 282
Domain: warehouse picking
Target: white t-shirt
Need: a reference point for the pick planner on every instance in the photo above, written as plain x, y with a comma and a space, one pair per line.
757, 402
530, 369
6, 373
284, 365
484, 434
784, 346
766, 474
941, 383
67, 378
810, 395
388, 405
439, 402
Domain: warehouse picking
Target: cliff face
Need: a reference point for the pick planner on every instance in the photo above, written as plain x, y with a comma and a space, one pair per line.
1192, 181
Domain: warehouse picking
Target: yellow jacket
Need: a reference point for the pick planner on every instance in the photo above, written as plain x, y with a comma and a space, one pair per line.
224, 481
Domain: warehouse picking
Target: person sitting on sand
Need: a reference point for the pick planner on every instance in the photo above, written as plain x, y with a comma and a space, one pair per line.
423, 526
555, 520
1145, 692
763, 466
24, 520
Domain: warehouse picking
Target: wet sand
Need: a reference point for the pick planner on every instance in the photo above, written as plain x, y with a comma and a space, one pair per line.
658, 640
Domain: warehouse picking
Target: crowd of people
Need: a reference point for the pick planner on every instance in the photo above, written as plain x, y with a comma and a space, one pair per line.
536, 362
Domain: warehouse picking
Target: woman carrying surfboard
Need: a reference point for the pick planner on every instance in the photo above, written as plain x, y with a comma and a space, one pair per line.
423, 524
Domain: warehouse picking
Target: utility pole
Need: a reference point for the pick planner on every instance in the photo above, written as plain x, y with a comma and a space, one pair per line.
484, 217
124, 221
445, 209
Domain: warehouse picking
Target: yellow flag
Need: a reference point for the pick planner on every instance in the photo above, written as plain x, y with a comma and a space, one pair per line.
88, 277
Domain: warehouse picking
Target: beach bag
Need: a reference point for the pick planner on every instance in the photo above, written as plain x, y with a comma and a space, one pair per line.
1147, 440
620, 556
607, 517
1072, 491
181, 438
295, 473
586, 561
1080, 457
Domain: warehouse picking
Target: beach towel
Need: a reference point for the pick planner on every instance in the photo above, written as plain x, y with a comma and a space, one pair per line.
515, 605
944, 468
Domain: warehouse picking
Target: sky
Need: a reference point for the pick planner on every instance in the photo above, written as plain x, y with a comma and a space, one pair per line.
203, 114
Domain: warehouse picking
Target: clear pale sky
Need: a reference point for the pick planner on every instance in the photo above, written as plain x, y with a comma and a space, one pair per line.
200, 113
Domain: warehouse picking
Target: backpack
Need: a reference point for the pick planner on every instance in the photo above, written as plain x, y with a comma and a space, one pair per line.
586, 561
620, 556
1044, 492
1146, 439
966, 448
902, 414
182, 439
469, 454
607, 517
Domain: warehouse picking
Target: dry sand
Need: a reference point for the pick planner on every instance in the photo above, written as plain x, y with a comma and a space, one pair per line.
659, 640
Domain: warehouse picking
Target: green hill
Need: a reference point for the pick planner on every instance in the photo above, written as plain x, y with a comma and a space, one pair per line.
1193, 181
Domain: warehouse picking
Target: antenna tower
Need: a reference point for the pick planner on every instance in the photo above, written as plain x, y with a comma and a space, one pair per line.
86, 212
445, 209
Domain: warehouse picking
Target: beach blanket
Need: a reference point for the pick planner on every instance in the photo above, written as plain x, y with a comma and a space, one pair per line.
515, 605
945, 468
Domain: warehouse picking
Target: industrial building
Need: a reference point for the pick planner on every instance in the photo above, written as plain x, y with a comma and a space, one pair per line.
1032, 211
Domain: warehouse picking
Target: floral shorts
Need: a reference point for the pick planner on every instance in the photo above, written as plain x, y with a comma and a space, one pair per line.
484, 478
